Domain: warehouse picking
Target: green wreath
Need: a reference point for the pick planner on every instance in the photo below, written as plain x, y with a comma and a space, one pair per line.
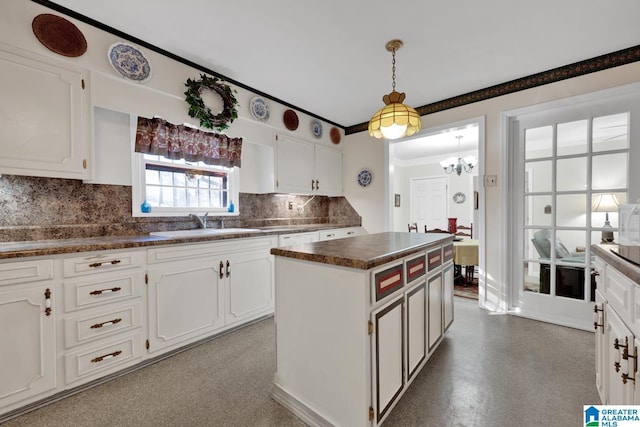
198, 110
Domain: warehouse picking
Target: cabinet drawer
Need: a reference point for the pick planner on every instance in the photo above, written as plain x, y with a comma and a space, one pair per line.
447, 253
434, 259
88, 327
620, 293
103, 358
203, 250
387, 281
12, 273
101, 263
415, 268
101, 289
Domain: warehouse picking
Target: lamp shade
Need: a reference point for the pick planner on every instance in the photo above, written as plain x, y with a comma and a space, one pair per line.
605, 203
395, 119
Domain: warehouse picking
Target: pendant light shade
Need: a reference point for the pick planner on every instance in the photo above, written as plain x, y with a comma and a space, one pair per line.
394, 120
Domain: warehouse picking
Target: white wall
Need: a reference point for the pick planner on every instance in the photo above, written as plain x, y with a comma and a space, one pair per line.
371, 203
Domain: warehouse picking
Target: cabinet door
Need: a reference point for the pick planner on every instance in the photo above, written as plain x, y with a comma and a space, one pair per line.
447, 303
387, 357
434, 285
249, 286
27, 345
295, 165
601, 347
328, 167
620, 392
42, 127
185, 301
416, 327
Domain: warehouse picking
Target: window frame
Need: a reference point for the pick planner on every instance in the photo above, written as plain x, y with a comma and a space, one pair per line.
139, 188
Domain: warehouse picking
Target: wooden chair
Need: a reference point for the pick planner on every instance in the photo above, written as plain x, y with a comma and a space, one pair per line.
462, 231
413, 226
435, 230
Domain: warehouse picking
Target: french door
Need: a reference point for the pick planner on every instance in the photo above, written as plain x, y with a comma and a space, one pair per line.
569, 168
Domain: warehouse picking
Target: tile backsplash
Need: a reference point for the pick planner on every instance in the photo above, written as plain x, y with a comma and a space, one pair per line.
33, 208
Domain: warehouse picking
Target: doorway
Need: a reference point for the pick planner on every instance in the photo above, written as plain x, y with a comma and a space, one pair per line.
564, 162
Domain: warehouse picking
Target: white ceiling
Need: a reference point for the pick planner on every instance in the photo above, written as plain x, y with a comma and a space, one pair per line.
329, 58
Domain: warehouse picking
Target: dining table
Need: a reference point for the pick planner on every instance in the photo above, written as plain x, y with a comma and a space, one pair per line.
465, 254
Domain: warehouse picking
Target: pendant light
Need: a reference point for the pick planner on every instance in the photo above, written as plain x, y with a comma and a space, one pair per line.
395, 120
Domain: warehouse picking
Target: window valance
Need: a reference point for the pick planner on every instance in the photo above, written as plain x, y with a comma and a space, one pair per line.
159, 137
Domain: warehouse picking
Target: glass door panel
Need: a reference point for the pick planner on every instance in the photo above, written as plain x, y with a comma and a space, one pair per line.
571, 210
571, 174
611, 132
539, 142
572, 137
609, 171
539, 176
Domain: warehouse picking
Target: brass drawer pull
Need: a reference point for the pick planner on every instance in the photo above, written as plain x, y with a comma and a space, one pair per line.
102, 291
221, 270
99, 264
228, 269
106, 356
108, 323
47, 302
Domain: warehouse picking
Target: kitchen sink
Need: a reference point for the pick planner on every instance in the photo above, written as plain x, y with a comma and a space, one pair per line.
203, 232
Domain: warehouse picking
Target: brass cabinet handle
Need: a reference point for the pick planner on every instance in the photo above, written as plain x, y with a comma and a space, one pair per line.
595, 272
228, 269
106, 356
47, 302
596, 310
221, 270
99, 264
317, 184
107, 323
103, 291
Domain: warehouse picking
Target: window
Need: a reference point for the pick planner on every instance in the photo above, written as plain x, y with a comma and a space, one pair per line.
178, 187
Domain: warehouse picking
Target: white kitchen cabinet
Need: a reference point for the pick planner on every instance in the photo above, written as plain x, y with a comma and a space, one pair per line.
341, 233
28, 332
620, 343
248, 285
44, 125
200, 289
101, 325
305, 167
298, 238
447, 296
329, 371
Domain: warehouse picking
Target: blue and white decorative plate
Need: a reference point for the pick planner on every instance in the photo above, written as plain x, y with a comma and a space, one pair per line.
129, 62
365, 177
259, 109
316, 128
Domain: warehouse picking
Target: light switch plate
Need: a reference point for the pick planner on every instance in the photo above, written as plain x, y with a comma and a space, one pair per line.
491, 180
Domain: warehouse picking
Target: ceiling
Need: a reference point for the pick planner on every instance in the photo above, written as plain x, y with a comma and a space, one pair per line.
328, 57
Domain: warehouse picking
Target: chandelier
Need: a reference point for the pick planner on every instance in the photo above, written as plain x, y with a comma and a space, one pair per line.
458, 164
394, 120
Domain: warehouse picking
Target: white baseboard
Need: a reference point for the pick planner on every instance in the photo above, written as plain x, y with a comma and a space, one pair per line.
299, 409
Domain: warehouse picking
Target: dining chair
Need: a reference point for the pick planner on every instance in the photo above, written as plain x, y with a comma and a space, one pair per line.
413, 227
462, 231
435, 230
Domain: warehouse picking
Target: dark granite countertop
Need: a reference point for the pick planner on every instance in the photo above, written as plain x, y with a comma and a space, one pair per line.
623, 266
64, 246
363, 252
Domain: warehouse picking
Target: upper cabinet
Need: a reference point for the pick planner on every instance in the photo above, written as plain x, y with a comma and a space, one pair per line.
307, 168
44, 125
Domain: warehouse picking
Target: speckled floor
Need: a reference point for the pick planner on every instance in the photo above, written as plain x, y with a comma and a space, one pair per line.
490, 370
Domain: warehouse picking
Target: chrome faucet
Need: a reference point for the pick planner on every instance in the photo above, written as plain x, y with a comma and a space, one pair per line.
202, 222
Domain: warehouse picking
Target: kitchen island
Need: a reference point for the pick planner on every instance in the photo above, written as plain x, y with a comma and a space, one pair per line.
356, 320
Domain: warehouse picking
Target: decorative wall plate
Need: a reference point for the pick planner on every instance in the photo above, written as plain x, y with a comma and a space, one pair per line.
290, 119
334, 134
59, 35
365, 177
129, 62
316, 128
459, 197
259, 109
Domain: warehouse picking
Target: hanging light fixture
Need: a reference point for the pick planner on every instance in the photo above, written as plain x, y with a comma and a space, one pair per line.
458, 164
395, 119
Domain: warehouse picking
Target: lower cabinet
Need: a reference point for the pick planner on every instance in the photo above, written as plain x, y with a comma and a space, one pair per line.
329, 370
28, 345
185, 301
616, 336
199, 289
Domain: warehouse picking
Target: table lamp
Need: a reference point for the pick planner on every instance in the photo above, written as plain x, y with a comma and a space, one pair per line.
606, 203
